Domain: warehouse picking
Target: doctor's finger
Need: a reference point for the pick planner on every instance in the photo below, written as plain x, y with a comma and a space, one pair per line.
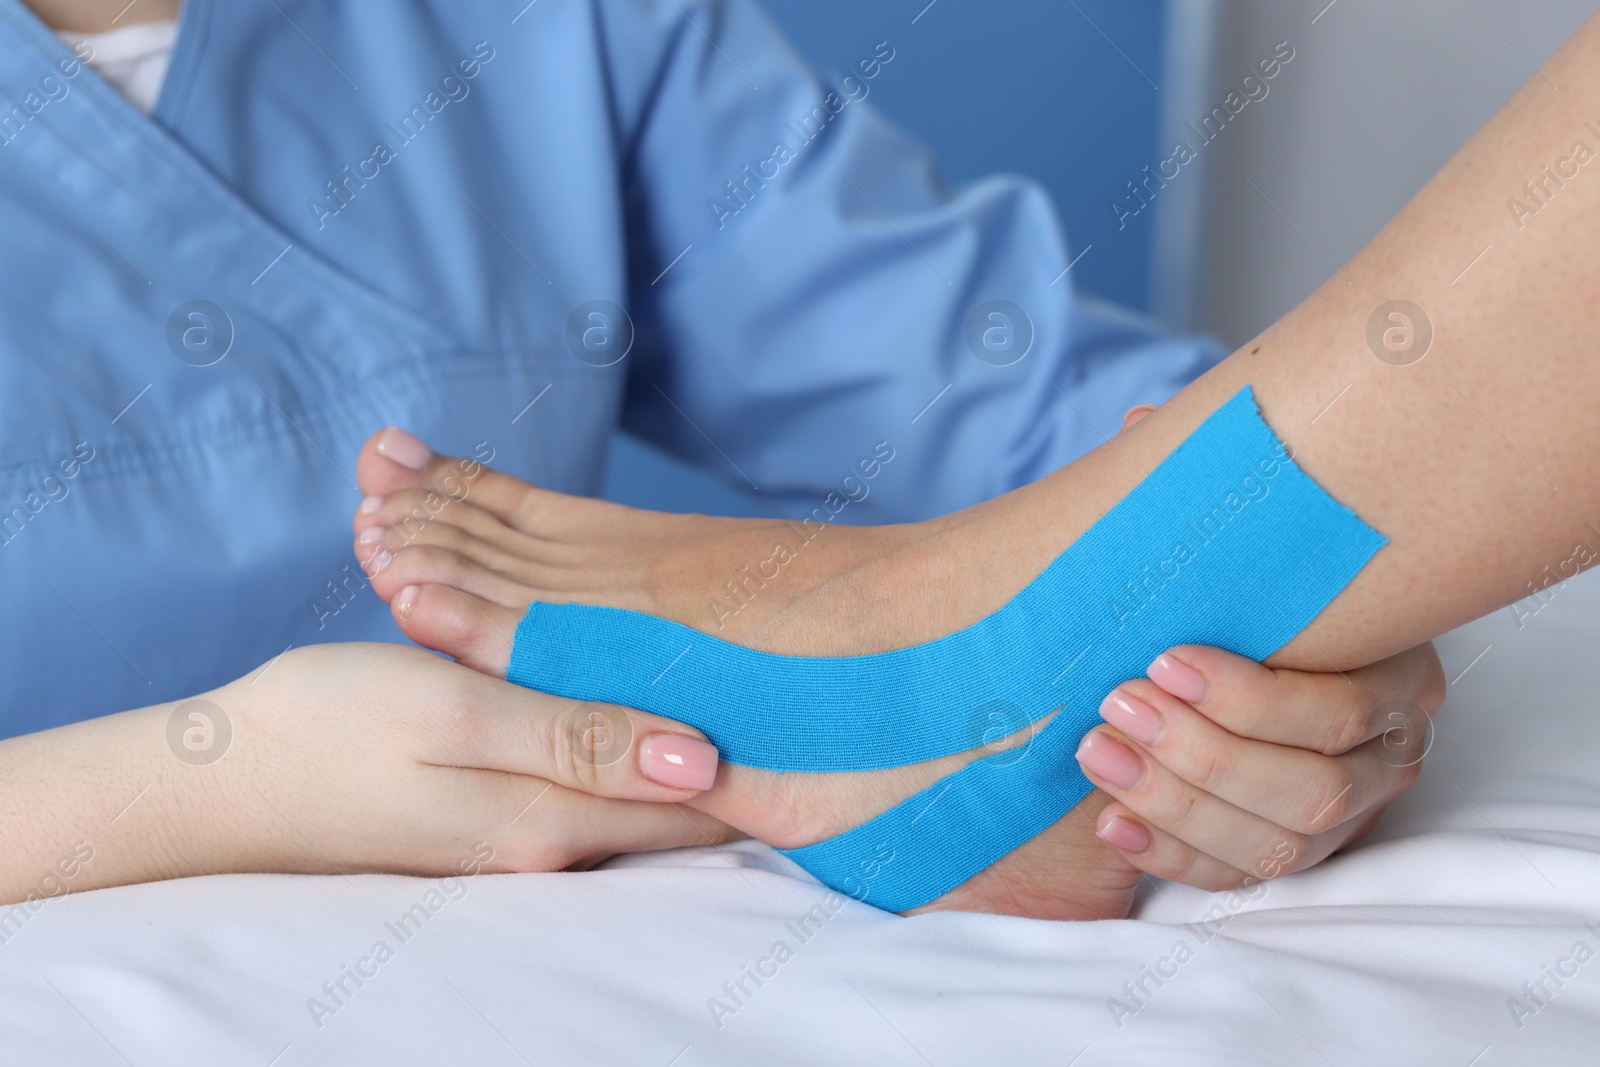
517, 823
1136, 414
557, 829
600, 749
1162, 802
1160, 855
1329, 713
1293, 787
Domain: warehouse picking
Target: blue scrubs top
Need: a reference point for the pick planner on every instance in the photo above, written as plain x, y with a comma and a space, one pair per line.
345, 214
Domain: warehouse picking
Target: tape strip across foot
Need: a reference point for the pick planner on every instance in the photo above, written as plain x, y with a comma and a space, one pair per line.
1227, 543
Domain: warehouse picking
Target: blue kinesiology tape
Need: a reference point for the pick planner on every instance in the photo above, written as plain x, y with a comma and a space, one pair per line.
1227, 543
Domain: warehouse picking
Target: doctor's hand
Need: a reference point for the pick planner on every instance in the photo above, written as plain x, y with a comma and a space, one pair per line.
346, 758
1225, 772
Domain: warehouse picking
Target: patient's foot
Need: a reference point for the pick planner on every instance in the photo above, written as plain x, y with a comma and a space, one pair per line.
459, 551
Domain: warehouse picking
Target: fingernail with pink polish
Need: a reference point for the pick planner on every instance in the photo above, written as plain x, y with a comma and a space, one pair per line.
1132, 716
405, 600
1124, 835
404, 449
370, 505
370, 535
1178, 678
380, 562
1110, 761
678, 761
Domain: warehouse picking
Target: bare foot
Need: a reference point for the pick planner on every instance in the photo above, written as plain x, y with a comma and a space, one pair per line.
459, 551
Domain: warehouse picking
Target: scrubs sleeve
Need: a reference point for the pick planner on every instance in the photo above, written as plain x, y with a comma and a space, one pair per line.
805, 286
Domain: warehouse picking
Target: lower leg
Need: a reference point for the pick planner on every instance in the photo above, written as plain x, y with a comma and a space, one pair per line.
1481, 460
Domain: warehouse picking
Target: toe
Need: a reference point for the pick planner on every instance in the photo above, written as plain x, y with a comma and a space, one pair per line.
393, 460
409, 512
529, 575
435, 565
476, 632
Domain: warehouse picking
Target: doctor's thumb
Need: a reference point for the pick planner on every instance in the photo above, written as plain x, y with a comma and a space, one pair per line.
601, 749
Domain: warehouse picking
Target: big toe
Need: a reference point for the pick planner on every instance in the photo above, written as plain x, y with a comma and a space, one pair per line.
475, 632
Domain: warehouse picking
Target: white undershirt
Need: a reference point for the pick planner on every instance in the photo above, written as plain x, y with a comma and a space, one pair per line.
132, 58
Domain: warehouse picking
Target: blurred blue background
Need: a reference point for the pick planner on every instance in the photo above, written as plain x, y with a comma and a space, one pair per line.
1063, 91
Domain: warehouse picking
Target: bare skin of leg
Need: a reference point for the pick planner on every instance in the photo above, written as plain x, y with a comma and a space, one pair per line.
1480, 461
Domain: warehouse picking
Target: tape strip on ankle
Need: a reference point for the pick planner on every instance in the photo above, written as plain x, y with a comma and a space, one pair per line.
1227, 542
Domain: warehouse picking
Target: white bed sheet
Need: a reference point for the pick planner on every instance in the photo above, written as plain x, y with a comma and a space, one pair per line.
1408, 950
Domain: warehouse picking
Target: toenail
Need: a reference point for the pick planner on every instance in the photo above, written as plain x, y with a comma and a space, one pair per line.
378, 563
404, 449
370, 505
1125, 835
369, 535
678, 761
405, 600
